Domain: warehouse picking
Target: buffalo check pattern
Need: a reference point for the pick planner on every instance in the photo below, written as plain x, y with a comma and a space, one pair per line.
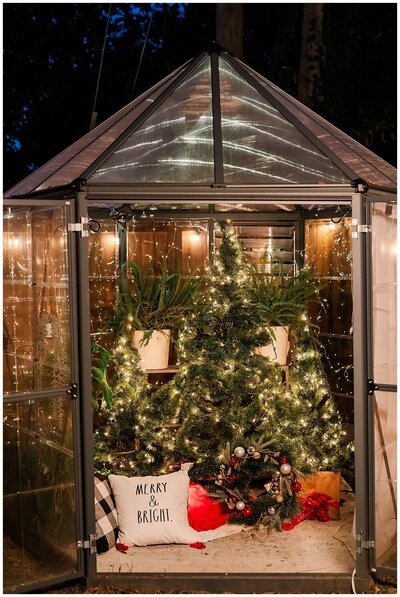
106, 515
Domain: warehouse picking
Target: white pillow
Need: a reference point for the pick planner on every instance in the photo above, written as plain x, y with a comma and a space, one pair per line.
153, 510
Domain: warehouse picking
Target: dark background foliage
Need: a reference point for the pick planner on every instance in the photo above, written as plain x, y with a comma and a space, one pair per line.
52, 54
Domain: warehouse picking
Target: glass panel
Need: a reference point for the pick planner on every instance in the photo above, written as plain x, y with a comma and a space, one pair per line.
39, 491
175, 144
384, 291
328, 252
36, 311
262, 146
181, 244
272, 244
385, 478
360, 159
103, 276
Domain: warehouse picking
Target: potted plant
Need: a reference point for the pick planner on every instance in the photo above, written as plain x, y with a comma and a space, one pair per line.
101, 363
282, 300
152, 305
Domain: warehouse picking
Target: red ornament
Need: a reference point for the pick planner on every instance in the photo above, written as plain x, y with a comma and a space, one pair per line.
282, 460
234, 500
232, 477
247, 512
295, 487
232, 462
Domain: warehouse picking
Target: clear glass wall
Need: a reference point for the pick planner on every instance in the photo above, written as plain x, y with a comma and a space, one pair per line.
39, 525
384, 291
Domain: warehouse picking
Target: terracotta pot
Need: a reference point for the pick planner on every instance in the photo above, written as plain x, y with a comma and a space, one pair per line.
278, 350
154, 354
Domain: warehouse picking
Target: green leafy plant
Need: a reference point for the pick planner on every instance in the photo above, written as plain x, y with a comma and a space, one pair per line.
282, 299
150, 301
100, 386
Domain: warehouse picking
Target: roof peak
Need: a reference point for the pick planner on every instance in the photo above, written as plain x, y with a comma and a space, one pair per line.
215, 48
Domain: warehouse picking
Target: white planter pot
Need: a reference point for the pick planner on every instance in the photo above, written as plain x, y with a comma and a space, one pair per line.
154, 354
278, 350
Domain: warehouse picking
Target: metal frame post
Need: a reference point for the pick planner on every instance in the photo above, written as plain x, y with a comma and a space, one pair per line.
361, 402
85, 384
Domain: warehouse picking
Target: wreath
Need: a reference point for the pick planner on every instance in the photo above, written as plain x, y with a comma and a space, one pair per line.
258, 485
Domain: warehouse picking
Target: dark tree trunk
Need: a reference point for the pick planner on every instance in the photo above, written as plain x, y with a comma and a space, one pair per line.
229, 28
310, 53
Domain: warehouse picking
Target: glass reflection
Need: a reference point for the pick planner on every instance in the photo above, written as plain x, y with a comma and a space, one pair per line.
36, 312
175, 143
261, 145
39, 521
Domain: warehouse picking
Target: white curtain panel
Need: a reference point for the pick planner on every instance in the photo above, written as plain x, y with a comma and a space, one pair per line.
384, 259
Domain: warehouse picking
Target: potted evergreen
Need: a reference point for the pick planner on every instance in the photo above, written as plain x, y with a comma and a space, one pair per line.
153, 307
282, 300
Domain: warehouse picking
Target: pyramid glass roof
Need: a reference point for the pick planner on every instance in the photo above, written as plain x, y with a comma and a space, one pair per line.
212, 121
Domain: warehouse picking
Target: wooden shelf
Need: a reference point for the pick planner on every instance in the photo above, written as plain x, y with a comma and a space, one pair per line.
170, 369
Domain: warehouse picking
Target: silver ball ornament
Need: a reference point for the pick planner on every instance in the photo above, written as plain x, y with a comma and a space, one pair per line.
271, 510
240, 505
285, 469
218, 482
251, 450
239, 452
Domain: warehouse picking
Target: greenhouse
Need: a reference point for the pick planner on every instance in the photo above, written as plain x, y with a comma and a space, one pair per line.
211, 178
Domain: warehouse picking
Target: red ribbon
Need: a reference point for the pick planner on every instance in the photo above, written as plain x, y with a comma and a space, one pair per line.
315, 507
198, 545
121, 547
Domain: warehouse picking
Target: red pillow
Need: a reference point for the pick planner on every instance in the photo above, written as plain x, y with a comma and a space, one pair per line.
203, 513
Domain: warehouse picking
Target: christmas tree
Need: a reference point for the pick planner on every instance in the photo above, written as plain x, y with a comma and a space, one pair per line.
223, 387
316, 425
122, 430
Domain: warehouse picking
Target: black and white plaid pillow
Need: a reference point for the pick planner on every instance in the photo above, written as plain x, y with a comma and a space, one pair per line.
106, 515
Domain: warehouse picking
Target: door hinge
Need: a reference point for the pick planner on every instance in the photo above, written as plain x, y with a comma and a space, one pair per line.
90, 544
73, 391
361, 544
372, 386
82, 227
359, 228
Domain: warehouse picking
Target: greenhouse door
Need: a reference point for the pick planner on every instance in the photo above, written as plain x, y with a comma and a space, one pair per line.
43, 506
382, 362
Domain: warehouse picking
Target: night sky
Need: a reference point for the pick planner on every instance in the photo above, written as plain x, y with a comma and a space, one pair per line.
52, 54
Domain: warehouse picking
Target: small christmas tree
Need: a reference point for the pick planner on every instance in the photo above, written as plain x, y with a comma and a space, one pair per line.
122, 431
308, 420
